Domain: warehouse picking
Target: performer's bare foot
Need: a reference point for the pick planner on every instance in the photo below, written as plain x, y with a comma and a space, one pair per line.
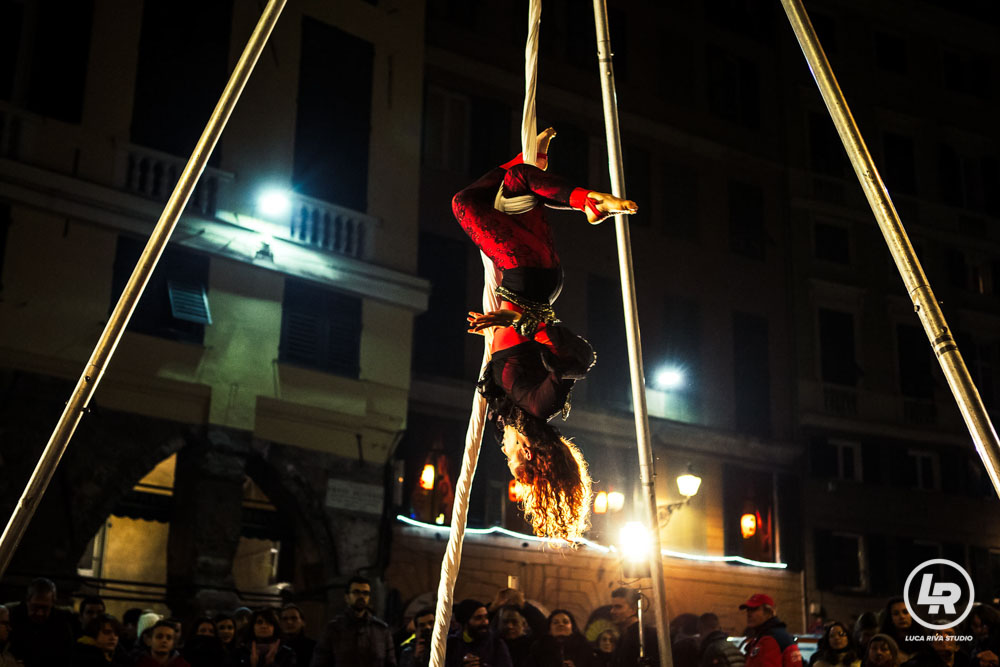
601, 205
544, 138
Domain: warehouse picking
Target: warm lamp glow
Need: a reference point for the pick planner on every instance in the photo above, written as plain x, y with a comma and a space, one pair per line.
616, 501
748, 525
688, 484
635, 542
427, 477
515, 493
601, 502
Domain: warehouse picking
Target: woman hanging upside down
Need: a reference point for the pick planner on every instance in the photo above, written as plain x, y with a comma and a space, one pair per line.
535, 360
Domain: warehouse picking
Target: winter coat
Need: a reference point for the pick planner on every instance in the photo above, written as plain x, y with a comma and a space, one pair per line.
770, 645
718, 651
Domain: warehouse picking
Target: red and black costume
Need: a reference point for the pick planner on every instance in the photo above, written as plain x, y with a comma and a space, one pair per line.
535, 362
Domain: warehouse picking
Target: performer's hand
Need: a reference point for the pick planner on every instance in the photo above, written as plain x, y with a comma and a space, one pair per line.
479, 322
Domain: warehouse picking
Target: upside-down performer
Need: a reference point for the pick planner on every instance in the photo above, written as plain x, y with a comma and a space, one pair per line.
534, 359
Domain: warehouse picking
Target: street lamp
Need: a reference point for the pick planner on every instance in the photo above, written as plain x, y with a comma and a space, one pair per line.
688, 485
669, 377
273, 203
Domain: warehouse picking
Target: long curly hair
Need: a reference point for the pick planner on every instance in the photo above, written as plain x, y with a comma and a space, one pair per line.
555, 482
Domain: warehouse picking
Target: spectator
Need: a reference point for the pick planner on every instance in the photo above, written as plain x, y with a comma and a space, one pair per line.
293, 625
684, 640
625, 614
7, 658
535, 620
473, 645
202, 627
202, 647
98, 645
605, 651
90, 607
836, 648
946, 647
865, 628
563, 646
162, 644
768, 643
225, 630
882, 652
416, 651
897, 623
264, 646
241, 619
41, 634
716, 650
984, 625
130, 619
986, 659
355, 637
514, 633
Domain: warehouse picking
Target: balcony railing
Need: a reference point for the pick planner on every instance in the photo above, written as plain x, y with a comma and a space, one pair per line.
324, 225
841, 402
152, 174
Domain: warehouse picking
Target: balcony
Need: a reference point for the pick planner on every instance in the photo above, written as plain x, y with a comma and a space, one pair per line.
327, 226
153, 175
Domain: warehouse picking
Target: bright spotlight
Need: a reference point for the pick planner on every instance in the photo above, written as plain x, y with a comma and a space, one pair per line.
635, 542
273, 203
669, 378
601, 502
616, 501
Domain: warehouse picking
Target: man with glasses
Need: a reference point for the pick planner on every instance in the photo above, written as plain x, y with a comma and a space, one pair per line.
355, 637
41, 633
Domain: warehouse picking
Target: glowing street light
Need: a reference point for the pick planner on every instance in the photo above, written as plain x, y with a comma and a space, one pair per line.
635, 542
601, 502
688, 484
616, 501
748, 525
273, 203
427, 477
669, 377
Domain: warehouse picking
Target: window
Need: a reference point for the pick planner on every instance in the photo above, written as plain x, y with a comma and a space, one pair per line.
832, 243
333, 121
890, 53
752, 377
679, 188
608, 383
746, 219
320, 329
747, 491
915, 359
983, 360
967, 73
638, 184
923, 470
848, 460
900, 168
446, 130
11, 16
681, 336
733, 88
489, 139
840, 561
968, 181
175, 303
60, 53
181, 70
837, 360
439, 349
826, 152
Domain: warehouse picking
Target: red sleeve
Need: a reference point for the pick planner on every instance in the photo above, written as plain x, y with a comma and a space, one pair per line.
519, 159
770, 652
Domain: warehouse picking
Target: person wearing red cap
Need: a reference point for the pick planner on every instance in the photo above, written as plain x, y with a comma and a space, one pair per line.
768, 643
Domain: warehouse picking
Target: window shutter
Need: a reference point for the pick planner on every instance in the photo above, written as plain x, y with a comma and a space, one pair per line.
189, 302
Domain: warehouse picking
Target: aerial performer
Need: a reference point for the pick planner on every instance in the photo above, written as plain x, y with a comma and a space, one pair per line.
535, 360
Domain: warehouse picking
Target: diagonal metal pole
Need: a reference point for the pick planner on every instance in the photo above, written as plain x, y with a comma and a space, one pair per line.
646, 476
94, 371
926, 306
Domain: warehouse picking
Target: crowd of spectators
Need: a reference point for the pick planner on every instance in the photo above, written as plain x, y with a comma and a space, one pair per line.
508, 631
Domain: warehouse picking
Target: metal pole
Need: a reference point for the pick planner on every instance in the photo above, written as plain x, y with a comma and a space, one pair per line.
926, 306
94, 371
645, 450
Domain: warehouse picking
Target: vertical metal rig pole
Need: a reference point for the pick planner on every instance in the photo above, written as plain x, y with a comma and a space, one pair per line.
926, 306
94, 371
609, 97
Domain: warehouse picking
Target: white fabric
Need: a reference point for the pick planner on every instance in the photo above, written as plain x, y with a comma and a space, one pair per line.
515, 205
474, 435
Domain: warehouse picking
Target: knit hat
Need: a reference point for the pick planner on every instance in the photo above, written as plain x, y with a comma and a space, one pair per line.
890, 642
464, 610
146, 621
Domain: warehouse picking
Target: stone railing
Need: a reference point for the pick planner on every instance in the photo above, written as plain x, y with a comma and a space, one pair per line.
324, 225
152, 174
839, 401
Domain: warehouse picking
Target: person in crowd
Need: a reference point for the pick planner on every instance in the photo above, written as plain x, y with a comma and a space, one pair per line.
882, 652
203, 627
897, 623
41, 634
535, 621
90, 607
225, 630
162, 647
241, 619
768, 643
202, 648
604, 651
416, 651
946, 648
684, 640
473, 645
865, 628
264, 646
355, 637
625, 614
130, 619
985, 659
563, 645
7, 658
984, 626
293, 625
515, 633
715, 649
836, 648
98, 645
